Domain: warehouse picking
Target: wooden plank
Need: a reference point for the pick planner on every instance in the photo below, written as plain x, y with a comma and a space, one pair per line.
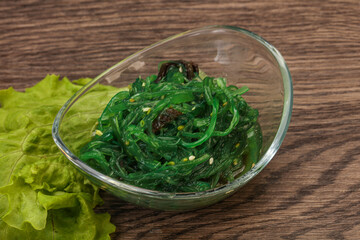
310, 190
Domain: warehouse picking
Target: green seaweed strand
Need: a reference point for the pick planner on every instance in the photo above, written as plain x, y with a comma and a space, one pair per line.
176, 132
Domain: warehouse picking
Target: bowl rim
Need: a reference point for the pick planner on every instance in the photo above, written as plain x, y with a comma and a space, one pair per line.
224, 189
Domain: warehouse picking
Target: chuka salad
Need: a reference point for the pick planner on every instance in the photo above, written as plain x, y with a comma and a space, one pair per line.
178, 131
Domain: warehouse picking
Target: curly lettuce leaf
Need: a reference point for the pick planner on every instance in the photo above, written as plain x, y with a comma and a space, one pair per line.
41, 195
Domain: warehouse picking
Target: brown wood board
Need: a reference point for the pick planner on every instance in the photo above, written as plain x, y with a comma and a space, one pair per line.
310, 190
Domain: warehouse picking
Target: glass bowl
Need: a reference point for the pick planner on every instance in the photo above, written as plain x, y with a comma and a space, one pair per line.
241, 56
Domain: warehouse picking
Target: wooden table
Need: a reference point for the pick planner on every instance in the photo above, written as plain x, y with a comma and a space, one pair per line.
310, 190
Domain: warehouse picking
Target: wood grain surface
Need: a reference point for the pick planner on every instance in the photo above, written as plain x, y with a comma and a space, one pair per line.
310, 190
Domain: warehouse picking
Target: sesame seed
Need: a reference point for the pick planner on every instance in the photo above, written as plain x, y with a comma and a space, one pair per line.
185, 159
171, 163
253, 165
143, 84
180, 69
146, 109
98, 132
192, 157
181, 127
211, 161
224, 104
193, 108
132, 100
235, 162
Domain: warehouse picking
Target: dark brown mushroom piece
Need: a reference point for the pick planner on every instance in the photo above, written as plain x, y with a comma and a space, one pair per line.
167, 116
190, 69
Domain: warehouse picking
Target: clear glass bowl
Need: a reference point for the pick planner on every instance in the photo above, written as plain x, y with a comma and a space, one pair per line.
220, 51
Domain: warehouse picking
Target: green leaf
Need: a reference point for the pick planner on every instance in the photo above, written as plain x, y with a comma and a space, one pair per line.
23, 206
42, 196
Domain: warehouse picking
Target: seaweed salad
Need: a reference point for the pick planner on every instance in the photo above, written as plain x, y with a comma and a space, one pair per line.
177, 131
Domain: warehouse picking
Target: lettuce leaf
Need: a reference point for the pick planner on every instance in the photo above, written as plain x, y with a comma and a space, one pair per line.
41, 195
